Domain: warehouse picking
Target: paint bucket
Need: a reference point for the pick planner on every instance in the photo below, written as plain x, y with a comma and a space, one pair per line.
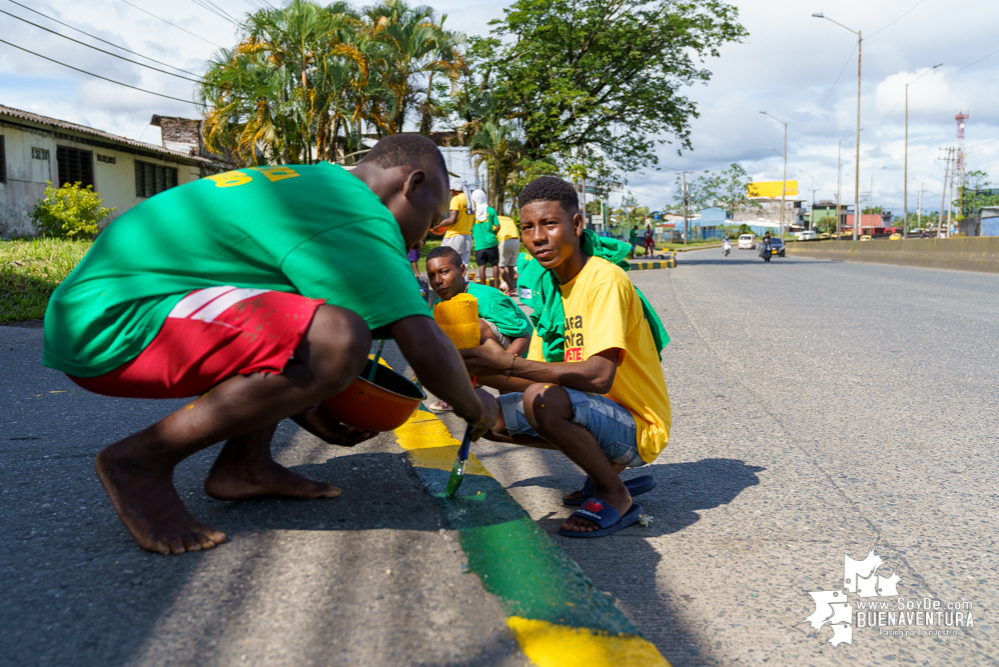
380, 405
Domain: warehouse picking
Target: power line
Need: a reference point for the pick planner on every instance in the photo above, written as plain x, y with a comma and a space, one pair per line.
98, 76
172, 24
979, 60
829, 92
215, 9
896, 20
113, 55
82, 32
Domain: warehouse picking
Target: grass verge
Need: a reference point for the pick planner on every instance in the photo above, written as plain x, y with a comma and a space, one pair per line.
30, 269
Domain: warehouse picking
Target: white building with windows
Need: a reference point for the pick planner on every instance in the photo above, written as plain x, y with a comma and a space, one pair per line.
36, 149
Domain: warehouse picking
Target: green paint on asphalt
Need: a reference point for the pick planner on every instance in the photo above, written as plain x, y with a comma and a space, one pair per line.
533, 578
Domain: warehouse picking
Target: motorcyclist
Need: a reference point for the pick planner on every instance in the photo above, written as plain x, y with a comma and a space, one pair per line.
726, 246
765, 246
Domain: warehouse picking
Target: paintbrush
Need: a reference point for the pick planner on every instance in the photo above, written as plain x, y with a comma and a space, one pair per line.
374, 362
458, 471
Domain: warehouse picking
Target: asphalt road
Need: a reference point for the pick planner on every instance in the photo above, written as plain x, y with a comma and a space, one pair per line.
819, 409
370, 578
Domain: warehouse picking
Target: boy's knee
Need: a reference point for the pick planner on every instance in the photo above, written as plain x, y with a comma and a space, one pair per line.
339, 335
546, 404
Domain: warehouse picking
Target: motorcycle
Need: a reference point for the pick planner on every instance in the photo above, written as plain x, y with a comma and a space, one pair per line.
726, 247
765, 251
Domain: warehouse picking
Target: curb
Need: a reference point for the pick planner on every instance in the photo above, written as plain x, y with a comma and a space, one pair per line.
556, 615
644, 264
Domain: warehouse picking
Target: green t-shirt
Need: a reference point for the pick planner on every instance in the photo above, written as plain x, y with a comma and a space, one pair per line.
498, 308
633, 235
484, 233
313, 230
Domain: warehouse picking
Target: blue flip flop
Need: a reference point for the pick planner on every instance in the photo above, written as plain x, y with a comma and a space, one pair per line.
636, 487
604, 516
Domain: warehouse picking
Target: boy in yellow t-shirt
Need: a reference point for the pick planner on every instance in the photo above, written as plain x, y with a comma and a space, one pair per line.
459, 222
609, 382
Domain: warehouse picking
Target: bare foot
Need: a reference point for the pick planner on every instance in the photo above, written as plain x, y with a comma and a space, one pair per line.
148, 505
620, 502
241, 480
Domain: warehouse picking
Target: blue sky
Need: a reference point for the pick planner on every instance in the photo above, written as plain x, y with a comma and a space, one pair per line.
798, 68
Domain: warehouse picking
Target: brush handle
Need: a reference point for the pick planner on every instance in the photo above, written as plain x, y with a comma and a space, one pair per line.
374, 362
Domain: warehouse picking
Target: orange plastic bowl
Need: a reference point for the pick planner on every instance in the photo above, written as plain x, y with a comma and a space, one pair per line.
382, 405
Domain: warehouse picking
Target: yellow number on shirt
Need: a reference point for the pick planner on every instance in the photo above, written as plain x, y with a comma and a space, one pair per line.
230, 179
277, 173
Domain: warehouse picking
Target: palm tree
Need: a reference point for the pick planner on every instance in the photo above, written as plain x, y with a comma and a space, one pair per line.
414, 43
498, 146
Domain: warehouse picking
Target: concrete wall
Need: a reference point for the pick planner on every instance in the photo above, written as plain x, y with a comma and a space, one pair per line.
27, 175
962, 254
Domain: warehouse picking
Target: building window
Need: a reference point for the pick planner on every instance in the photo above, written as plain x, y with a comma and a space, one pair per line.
106, 159
3, 162
39, 153
152, 179
75, 166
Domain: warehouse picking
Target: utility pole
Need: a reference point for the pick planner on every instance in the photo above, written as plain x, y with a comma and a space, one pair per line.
957, 160
943, 197
919, 211
685, 230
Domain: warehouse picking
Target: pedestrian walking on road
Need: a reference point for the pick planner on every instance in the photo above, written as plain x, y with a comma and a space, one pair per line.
318, 255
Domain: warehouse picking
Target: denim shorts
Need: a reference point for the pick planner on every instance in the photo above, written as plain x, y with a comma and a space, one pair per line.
610, 423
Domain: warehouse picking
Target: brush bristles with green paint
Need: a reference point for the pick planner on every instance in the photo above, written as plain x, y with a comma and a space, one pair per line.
458, 471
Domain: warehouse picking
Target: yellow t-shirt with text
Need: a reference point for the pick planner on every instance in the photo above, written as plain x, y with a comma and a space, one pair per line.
465, 219
603, 311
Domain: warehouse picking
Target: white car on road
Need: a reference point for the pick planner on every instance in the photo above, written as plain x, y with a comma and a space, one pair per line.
747, 242
807, 235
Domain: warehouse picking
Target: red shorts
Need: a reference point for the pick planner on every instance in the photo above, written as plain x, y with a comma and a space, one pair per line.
211, 335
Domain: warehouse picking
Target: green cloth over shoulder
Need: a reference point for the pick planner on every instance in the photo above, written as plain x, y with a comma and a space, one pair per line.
549, 317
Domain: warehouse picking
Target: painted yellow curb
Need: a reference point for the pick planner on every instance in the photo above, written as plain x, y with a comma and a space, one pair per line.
550, 645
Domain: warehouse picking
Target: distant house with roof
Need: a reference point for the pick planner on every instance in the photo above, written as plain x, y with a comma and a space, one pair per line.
35, 149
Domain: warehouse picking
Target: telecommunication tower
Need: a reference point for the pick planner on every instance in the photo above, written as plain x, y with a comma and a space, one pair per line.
960, 118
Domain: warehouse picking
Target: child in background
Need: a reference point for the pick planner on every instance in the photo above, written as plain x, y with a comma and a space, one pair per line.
457, 228
414, 260
500, 319
484, 237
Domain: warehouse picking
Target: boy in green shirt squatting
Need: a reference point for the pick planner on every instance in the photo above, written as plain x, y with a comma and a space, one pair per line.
500, 319
241, 288
592, 386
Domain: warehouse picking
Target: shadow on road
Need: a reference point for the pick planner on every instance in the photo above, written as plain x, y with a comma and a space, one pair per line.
683, 489
703, 259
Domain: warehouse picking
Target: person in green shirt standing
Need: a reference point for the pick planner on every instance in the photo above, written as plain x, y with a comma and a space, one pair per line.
633, 240
241, 289
484, 237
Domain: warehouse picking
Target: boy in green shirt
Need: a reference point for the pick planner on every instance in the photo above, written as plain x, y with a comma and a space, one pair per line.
500, 319
241, 288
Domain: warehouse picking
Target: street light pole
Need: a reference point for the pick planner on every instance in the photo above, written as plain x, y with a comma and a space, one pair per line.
839, 183
783, 185
856, 177
905, 188
811, 211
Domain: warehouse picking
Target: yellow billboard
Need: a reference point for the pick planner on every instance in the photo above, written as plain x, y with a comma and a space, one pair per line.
771, 189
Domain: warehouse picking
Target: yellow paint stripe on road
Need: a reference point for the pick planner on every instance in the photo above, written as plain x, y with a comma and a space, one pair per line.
550, 645
431, 445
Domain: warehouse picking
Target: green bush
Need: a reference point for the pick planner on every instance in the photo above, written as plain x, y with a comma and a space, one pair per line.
69, 212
